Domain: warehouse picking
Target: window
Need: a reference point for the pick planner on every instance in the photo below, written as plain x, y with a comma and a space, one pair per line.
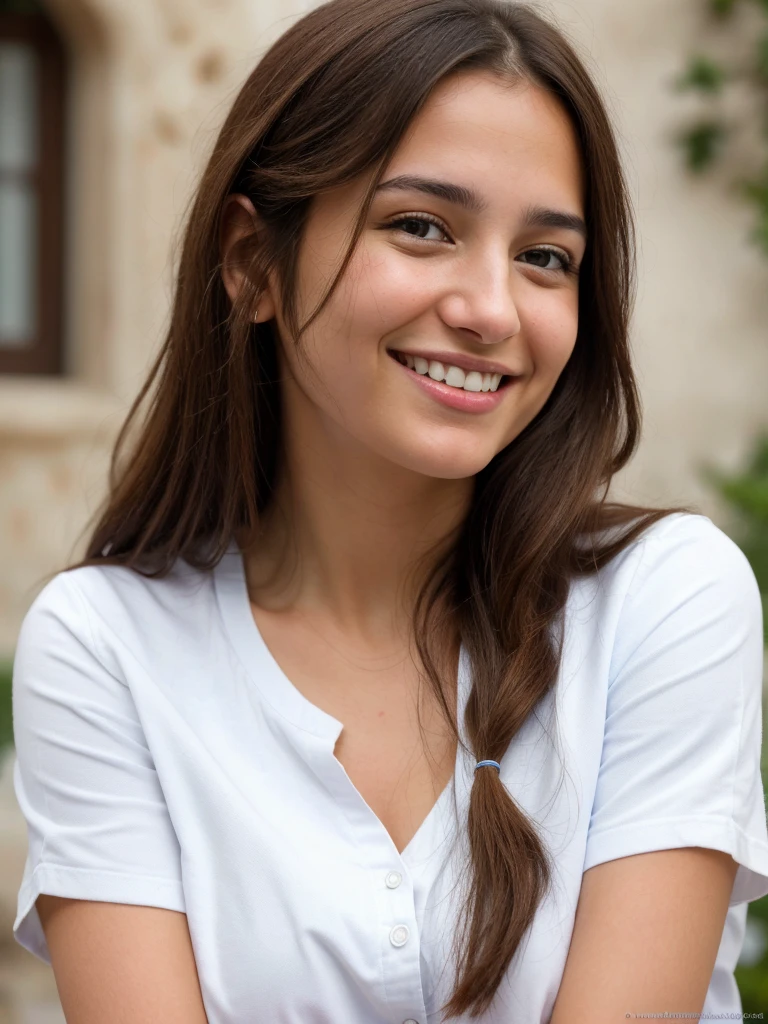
32, 104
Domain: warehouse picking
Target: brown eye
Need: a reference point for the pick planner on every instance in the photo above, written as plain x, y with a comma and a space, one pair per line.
421, 224
542, 258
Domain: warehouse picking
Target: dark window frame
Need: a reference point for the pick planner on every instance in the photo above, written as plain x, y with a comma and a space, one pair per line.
44, 354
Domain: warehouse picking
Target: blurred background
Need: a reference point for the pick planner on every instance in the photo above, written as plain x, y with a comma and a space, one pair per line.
108, 110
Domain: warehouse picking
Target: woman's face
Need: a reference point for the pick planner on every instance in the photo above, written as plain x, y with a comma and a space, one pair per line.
448, 282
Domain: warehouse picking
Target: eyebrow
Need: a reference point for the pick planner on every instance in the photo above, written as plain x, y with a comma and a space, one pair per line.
468, 199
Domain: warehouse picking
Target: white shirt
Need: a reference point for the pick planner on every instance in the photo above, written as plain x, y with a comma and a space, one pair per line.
163, 758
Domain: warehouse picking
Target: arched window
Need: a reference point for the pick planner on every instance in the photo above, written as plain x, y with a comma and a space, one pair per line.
32, 107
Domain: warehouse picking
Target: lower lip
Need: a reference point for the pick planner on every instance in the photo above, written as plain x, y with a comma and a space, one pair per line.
456, 398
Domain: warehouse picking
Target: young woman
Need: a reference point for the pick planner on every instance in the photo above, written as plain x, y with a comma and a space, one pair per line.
366, 705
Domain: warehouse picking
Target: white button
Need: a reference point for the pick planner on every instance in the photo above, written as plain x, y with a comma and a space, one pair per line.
410, 1021
399, 935
393, 879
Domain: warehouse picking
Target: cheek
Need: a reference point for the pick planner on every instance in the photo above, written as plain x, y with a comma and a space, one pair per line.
330, 345
551, 330
334, 372
394, 289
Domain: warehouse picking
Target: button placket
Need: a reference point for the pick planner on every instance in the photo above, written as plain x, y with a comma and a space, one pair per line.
400, 950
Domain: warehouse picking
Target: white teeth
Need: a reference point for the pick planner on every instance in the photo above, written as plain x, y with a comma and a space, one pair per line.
436, 370
454, 376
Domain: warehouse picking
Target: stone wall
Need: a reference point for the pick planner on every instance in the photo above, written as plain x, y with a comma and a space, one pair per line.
153, 80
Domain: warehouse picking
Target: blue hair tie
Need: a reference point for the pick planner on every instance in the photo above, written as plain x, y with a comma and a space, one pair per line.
494, 763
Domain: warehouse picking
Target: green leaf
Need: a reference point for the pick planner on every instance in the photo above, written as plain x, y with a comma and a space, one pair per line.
756, 192
759, 235
703, 74
753, 479
722, 8
701, 144
761, 54
6, 724
753, 986
747, 493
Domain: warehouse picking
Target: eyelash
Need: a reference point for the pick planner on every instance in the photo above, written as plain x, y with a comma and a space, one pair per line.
566, 259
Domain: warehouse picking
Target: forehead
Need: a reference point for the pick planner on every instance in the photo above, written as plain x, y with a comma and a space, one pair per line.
511, 141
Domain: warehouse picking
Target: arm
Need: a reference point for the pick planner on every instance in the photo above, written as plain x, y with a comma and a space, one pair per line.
646, 936
121, 963
100, 836
678, 806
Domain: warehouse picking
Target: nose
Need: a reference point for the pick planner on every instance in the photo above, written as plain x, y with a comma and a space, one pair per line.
483, 303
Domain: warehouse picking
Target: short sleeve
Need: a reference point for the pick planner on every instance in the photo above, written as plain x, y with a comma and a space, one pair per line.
97, 823
680, 763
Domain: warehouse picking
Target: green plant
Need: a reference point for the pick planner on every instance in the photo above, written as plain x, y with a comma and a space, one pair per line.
6, 727
747, 494
752, 980
703, 143
706, 138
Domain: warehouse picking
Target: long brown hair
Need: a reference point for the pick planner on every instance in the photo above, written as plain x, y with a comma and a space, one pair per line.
331, 99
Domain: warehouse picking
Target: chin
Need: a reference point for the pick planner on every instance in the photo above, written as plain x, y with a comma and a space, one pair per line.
450, 466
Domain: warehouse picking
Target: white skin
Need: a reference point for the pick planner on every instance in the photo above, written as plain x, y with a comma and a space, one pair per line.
376, 470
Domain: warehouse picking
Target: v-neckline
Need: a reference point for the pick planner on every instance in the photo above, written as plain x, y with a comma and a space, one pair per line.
287, 700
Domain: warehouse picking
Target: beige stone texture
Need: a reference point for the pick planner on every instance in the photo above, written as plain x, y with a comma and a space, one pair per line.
700, 339
152, 82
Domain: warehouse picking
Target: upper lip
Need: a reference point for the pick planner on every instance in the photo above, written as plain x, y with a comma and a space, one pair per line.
457, 359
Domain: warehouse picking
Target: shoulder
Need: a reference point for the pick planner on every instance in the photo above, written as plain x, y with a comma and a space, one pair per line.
681, 575
691, 595
692, 538
677, 553
101, 604
681, 738
685, 555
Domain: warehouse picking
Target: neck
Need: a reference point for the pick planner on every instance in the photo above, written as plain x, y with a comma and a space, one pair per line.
350, 536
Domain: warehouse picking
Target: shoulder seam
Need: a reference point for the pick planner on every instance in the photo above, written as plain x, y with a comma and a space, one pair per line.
86, 612
638, 562
97, 645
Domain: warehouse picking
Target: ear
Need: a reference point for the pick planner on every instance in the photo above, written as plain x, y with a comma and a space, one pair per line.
239, 220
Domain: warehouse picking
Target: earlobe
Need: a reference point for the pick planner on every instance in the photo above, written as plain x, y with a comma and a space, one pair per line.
238, 222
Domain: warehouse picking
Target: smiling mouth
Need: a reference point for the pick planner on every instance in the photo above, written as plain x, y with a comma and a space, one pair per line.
452, 376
